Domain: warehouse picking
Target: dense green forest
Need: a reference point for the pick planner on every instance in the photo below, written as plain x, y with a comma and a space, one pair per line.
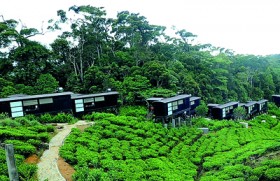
129, 55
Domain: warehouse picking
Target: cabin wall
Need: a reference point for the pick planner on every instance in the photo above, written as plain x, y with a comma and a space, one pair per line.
276, 100
5, 108
194, 105
87, 105
160, 109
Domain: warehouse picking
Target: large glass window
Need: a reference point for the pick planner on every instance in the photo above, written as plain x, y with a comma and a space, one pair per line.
79, 105
46, 101
16, 109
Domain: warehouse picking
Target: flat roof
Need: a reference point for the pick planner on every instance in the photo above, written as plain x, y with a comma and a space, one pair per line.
175, 98
212, 105
226, 105
261, 101
242, 104
154, 98
194, 98
250, 103
18, 98
80, 96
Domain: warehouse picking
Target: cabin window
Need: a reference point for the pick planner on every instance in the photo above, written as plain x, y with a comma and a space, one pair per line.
224, 112
31, 108
89, 100
174, 108
16, 109
169, 107
79, 105
249, 109
30, 102
231, 107
192, 103
46, 101
180, 102
98, 99
89, 104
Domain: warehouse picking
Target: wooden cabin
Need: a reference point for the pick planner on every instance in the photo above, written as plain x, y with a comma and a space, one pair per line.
87, 103
150, 102
172, 107
262, 106
194, 102
210, 109
21, 105
276, 100
224, 111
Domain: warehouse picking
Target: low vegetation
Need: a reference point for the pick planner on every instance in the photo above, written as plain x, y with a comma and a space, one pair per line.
133, 148
28, 136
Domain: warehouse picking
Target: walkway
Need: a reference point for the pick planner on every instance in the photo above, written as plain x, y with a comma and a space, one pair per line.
47, 167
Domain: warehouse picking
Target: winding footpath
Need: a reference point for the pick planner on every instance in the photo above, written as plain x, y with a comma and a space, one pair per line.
47, 167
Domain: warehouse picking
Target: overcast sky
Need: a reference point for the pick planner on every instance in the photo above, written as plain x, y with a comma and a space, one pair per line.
245, 26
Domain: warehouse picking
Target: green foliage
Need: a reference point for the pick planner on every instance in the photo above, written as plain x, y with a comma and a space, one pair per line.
3, 116
58, 118
202, 109
27, 137
136, 111
46, 84
122, 147
239, 113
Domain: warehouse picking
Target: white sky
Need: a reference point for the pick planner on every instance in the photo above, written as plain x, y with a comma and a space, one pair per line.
245, 26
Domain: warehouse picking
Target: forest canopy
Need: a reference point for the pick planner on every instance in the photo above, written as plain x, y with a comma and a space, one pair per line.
130, 55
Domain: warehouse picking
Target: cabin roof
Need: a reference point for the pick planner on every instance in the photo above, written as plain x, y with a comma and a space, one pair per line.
212, 105
250, 103
80, 96
154, 98
194, 98
261, 101
221, 106
26, 97
175, 98
275, 95
242, 104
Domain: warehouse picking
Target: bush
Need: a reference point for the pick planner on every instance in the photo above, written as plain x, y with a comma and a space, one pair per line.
27, 171
46, 118
273, 174
97, 116
9, 123
4, 116
22, 148
135, 111
64, 118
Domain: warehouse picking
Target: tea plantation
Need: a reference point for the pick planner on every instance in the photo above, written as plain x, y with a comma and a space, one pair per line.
129, 147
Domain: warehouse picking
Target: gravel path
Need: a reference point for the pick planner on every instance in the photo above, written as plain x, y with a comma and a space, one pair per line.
47, 167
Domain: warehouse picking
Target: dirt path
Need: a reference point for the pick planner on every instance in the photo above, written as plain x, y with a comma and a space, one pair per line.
47, 167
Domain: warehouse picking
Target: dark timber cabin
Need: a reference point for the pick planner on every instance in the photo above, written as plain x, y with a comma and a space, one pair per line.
224, 111
150, 102
21, 105
250, 107
172, 107
194, 102
88, 103
276, 100
210, 109
262, 106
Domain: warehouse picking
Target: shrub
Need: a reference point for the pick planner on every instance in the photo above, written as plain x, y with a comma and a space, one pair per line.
64, 118
46, 118
27, 171
9, 123
4, 116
